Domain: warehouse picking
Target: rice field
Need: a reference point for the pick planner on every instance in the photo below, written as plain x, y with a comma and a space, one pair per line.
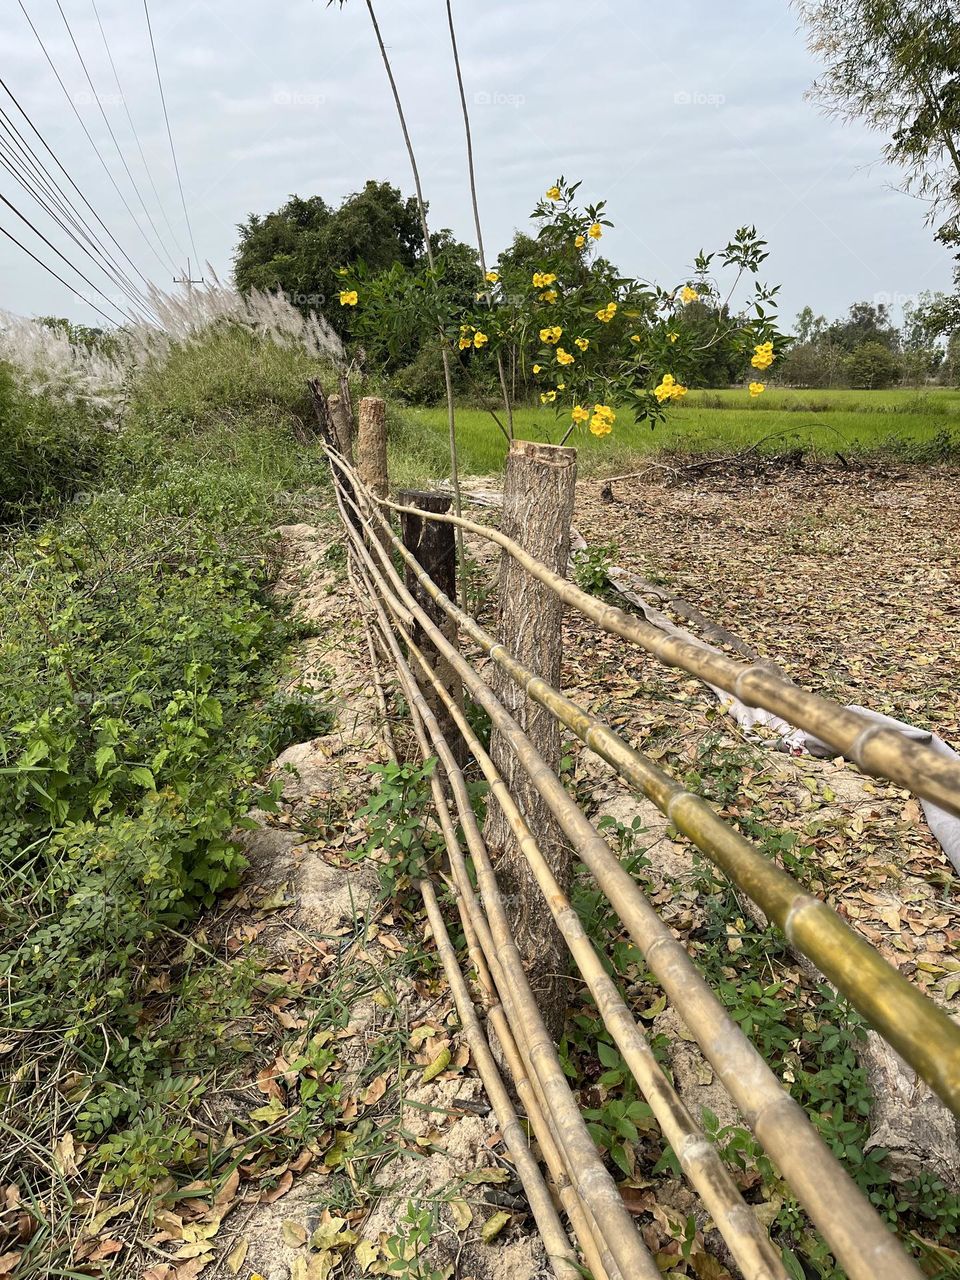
914, 424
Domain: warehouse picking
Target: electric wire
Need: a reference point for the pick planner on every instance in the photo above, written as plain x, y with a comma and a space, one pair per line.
133, 128
62, 218
56, 160
90, 138
50, 245
50, 271
166, 117
113, 137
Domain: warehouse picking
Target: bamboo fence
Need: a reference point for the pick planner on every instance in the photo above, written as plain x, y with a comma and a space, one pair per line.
922, 1033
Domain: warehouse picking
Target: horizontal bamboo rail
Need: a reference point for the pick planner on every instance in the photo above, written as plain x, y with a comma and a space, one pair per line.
875, 749
858, 1237
923, 1034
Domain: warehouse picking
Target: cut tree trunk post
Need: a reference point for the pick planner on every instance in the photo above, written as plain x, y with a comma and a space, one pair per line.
538, 500
343, 426
372, 445
434, 546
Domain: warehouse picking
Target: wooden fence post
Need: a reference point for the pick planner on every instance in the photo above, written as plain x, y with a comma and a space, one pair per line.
538, 502
433, 544
343, 425
372, 445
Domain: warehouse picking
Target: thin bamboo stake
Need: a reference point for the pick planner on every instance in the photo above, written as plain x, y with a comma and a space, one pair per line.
471, 168
422, 210
922, 1032
873, 748
858, 1237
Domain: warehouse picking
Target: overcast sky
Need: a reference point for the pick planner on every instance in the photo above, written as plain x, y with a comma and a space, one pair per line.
688, 116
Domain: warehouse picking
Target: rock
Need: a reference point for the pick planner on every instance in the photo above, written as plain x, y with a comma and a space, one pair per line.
313, 774
908, 1119
330, 897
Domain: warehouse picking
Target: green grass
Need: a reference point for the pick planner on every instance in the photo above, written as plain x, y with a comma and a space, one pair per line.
914, 424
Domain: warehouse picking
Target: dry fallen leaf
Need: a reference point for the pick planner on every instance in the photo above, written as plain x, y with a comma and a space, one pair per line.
237, 1256
375, 1091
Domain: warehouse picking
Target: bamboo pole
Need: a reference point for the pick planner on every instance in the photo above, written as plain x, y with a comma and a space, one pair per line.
541, 1206
923, 1034
858, 1237
873, 748
594, 1184
698, 1158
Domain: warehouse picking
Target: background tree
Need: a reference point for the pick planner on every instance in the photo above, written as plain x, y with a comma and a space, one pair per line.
896, 65
865, 322
873, 366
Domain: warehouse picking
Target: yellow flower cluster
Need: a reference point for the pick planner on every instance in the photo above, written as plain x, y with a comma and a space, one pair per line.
673, 335
582, 343
601, 424
553, 333
553, 193
606, 314
541, 279
537, 368
579, 413
763, 356
564, 357
669, 389
348, 298
548, 397
580, 241
595, 231
757, 388
470, 337
492, 277
635, 337
689, 295
549, 295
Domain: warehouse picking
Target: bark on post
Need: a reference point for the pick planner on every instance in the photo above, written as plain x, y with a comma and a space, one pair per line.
343, 425
434, 546
538, 501
372, 445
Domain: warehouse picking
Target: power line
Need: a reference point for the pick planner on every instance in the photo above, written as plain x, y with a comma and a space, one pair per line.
173, 150
133, 128
36, 132
50, 271
63, 217
23, 218
88, 135
113, 136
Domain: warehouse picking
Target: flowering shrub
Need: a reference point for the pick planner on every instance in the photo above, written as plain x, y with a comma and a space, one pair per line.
592, 339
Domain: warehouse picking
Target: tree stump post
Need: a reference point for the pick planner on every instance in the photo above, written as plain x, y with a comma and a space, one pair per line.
372, 445
538, 502
434, 546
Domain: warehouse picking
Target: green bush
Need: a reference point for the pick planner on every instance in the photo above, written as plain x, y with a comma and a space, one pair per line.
142, 654
48, 450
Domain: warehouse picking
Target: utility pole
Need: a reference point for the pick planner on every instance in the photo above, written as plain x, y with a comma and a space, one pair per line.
188, 279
